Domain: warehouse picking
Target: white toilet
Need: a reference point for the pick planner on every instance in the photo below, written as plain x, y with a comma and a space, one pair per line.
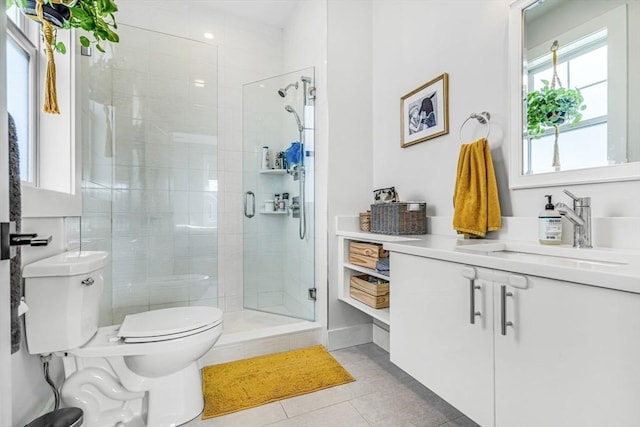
141, 373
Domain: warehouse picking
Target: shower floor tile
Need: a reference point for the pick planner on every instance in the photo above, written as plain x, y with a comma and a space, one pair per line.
249, 333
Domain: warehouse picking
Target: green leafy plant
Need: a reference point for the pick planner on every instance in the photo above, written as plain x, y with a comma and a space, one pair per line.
96, 17
551, 107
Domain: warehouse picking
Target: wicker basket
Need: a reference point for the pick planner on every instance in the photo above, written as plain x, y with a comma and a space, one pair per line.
365, 221
399, 218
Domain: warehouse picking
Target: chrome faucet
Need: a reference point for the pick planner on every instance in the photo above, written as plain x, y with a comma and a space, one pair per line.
580, 217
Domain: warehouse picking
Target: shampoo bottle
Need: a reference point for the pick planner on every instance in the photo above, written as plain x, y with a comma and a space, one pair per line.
549, 224
264, 163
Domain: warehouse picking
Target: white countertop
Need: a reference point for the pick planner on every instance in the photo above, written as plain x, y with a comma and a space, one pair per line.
603, 267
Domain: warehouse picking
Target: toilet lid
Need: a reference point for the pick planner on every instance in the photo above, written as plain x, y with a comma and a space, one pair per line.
168, 323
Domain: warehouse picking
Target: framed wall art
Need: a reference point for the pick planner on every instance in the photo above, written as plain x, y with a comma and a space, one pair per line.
424, 112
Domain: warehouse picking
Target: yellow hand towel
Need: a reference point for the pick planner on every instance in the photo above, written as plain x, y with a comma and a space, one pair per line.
475, 197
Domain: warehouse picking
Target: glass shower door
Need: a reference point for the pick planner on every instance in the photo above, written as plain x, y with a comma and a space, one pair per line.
279, 240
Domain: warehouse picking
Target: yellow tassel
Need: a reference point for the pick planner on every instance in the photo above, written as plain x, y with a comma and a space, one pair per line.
50, 104
50, 94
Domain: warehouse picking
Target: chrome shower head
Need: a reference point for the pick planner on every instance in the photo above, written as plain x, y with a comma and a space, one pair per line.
290, 109
283, 92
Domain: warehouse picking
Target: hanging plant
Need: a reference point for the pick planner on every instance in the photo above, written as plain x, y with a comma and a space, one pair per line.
551, 107
93, 16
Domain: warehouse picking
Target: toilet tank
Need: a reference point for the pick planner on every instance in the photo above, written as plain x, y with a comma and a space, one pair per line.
63, 294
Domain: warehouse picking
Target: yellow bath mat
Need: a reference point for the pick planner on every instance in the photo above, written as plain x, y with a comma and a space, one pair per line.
243, 384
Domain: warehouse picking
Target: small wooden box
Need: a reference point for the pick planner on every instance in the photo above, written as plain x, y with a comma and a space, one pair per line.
372, 294
368, 249
366, 254
363, 261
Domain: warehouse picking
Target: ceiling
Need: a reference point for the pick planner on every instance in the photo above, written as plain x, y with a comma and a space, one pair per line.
271, 12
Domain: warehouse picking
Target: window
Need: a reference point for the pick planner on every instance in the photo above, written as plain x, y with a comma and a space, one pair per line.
583, 145
21, 90
49, 160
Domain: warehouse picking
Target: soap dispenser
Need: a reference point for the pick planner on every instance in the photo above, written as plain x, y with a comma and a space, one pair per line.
549, 224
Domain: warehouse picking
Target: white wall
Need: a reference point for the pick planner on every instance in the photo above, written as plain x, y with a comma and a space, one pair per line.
349, 143
305, 45
472, 48
414, 42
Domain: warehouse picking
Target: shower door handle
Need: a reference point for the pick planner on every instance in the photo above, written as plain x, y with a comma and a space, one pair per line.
246, 204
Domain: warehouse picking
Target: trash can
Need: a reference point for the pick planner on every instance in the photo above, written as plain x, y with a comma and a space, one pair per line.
65, 417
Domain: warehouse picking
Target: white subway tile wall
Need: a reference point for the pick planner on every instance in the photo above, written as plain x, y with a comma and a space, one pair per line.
150, 168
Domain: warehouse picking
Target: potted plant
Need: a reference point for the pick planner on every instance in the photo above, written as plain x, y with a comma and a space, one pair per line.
551, 107
93, 16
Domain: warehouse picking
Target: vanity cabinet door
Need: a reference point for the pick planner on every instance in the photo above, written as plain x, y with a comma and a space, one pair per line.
432, 337
571, 358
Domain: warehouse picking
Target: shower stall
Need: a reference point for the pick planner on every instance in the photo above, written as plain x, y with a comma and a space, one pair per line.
279, 231
151, 183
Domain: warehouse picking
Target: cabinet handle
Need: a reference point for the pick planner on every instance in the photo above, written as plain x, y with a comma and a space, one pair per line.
472, 301
503, 309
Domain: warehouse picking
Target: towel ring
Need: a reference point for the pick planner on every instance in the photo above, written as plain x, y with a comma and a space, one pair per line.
484, 118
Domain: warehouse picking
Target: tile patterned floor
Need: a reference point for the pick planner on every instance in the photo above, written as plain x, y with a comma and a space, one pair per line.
382, 396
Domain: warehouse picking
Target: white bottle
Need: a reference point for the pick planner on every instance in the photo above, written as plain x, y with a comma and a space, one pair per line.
549, 224
265, 158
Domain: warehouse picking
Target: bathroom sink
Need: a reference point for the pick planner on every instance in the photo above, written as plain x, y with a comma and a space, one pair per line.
552, 255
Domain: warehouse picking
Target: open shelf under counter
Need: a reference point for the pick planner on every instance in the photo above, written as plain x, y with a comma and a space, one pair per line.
348, 270
366, 270
381, 314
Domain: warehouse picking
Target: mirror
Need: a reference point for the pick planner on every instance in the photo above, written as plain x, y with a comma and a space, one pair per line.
597, 49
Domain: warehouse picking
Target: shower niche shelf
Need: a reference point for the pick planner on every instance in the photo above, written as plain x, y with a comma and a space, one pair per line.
273, 171
273, 213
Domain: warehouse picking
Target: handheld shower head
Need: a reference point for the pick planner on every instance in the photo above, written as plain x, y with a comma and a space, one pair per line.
283, 92
290, 109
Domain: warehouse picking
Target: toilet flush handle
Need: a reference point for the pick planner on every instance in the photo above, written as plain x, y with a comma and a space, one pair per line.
88, 281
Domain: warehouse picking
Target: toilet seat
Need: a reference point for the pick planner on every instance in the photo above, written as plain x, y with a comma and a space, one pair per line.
109, 341
156, 338
168, 323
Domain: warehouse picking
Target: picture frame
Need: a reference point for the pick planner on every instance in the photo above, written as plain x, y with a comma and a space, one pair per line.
424, 112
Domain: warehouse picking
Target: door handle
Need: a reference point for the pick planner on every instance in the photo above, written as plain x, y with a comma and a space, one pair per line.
246, 204
9, 239
503, 309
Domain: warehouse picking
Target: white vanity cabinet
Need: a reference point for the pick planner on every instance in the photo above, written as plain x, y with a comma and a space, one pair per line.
569, 357
432, 337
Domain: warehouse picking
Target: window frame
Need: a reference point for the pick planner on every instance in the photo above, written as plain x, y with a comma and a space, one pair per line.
518, 54
55, 190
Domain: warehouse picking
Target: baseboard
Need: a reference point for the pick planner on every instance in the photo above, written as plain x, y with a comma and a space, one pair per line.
349, 336
381, 337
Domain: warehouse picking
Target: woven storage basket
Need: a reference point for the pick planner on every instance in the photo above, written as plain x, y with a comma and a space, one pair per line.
365, 221
399, 218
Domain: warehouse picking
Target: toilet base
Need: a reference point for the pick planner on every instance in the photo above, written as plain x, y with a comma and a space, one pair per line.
109, 393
